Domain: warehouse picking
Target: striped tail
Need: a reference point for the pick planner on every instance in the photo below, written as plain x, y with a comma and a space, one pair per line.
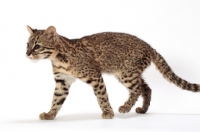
168, 74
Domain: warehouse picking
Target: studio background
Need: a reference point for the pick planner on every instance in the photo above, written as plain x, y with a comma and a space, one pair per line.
26, 88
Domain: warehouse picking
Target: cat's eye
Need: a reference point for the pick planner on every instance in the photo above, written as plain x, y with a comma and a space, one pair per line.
37, 46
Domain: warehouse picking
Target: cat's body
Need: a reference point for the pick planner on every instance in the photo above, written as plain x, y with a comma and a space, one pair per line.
123, 55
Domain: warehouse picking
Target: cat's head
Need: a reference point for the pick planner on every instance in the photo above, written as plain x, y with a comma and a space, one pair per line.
42, 44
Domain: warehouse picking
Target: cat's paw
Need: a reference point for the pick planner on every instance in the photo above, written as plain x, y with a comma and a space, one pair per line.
108, 115
140, 110
47, 116
124, 109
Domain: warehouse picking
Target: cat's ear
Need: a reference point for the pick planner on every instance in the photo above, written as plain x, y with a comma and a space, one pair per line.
30, 30
50, 33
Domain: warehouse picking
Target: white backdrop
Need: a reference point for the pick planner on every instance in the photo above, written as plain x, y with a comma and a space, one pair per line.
26, 88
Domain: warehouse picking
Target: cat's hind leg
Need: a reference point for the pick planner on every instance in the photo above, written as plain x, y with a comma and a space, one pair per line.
133, 83
136, 86
146, 95
131, 77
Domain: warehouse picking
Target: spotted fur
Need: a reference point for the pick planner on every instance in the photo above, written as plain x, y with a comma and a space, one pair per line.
123, 55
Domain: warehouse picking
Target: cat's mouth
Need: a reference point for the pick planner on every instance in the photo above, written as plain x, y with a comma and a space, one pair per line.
32, 59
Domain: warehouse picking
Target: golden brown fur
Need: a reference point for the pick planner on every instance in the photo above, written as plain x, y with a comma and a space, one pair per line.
123, 55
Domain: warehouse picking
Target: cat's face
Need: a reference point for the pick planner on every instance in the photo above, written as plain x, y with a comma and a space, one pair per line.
41, 43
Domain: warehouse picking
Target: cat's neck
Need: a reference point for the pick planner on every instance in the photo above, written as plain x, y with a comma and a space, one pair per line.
53, 55
63, 45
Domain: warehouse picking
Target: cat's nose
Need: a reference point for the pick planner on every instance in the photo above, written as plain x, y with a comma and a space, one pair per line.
28, 53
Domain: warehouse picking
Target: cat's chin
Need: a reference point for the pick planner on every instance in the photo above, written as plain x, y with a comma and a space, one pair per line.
34, 61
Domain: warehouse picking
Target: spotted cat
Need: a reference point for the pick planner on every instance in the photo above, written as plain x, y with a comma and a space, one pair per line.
121, 54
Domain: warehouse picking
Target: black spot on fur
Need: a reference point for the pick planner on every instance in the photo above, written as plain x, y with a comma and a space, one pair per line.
103, 93
101, 87
103, 98
96, 86
89, 81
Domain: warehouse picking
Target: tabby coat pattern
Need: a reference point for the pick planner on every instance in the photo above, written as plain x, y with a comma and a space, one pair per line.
123, 55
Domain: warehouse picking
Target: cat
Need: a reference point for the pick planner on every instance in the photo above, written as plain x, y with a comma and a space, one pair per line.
121, 54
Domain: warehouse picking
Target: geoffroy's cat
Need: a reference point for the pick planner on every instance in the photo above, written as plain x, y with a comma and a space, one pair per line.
121, 54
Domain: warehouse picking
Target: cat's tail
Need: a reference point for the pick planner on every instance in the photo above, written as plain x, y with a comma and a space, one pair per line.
168, 74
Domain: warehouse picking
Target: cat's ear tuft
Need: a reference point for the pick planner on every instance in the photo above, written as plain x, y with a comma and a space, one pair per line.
50, 33
30, 30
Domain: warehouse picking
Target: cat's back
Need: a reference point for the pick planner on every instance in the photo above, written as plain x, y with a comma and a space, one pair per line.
113, 40
106, 36
112, 49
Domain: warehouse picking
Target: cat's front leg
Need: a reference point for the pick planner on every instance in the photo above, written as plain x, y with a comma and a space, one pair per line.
63, 83
96, 81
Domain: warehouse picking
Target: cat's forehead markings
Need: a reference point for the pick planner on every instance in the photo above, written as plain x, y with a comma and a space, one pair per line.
32, 38
37, 37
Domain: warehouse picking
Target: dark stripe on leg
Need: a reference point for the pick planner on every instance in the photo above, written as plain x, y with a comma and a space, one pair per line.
60, 81
133, 85
66, 89
61, 101
57, 94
